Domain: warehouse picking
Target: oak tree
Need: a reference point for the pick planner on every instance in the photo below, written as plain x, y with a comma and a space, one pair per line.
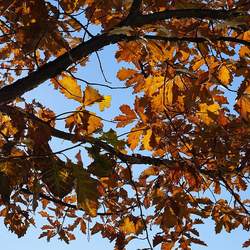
178, 155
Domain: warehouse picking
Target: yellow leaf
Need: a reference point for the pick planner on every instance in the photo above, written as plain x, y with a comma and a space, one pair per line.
69, 87
224, 75
152, 84
105, 103
91, 96
128, 226
206, 112
146, 140
169, 92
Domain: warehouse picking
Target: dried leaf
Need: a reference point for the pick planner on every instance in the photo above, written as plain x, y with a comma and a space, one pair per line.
91, 96
224, 75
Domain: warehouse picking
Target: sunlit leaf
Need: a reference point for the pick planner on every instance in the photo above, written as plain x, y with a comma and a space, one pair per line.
91, 96
69, 87
105, 103
224, 75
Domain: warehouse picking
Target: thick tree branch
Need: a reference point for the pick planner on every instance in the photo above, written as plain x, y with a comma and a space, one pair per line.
55, 67
126, 158
183, 13
198, 39
131, 159
133, 12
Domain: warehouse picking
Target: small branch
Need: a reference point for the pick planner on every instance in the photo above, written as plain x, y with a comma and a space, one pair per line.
62, 203
234, 194
57, 201
139, 206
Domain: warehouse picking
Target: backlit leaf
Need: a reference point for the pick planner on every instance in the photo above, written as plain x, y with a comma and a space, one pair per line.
105, 103
124, 73
129, 226
128, 117
69, 87
224, 75
86, 190
91, 96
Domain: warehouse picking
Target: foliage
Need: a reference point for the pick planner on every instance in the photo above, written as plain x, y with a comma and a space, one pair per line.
184, 59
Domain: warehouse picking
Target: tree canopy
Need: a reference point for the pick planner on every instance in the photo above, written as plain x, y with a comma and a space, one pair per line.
175, 157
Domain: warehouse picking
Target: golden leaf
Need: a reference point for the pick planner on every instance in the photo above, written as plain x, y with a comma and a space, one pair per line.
69, 87
206, 112
146, 140
153, 84
105, 103
128, 226
91, 96
198, 64
94, 124
224, 75
169, 92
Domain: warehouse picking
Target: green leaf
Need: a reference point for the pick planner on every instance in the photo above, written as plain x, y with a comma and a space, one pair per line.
86, 190
111, 138
102, 166
58, 177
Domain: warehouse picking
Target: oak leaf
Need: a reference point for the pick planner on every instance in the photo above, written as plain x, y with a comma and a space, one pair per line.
128, 117
69, 87
86, 190
224, 75
105, 103
91, 96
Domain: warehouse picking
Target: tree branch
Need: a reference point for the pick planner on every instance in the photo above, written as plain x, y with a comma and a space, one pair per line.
139, 20
133, 12
62, 203
55, 67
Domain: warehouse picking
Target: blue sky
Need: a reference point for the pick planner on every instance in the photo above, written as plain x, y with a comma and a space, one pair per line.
56, 101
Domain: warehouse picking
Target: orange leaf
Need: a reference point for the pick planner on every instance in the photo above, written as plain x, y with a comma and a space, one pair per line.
146, 140
124, 73
134, 137
128, 226
224, 75
129, 116
91, 96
